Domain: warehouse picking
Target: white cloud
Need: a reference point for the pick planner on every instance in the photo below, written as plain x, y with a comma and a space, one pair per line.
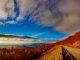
37, 34
1, 23
21, 41
11, 22
25, 6
3, 13
6, 8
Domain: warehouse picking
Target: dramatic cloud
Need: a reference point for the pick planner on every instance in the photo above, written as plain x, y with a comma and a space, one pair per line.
16, 9
25, 6
6, 8
62, 15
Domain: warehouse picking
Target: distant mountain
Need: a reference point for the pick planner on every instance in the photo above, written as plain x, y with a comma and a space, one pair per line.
22, 41
15, 36
34, 42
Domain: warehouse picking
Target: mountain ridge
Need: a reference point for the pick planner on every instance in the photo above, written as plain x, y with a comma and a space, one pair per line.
7, 35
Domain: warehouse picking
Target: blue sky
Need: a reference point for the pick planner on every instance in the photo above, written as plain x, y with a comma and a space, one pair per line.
29, 28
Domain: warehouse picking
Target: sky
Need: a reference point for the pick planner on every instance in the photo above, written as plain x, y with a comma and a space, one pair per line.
27, 28
43, 19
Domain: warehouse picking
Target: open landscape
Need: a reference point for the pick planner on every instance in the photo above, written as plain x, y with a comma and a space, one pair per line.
39, 29
67, 49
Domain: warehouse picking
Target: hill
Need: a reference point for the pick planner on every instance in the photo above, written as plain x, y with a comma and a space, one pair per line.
73, 40
60, 49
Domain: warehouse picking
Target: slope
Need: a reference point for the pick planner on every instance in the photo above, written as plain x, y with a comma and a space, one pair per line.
62, 53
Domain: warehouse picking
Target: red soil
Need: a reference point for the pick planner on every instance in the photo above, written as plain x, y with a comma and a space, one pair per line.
35, 53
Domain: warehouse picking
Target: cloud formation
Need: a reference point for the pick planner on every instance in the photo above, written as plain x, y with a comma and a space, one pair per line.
62, 15
6, 8
38, 34
16, 9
